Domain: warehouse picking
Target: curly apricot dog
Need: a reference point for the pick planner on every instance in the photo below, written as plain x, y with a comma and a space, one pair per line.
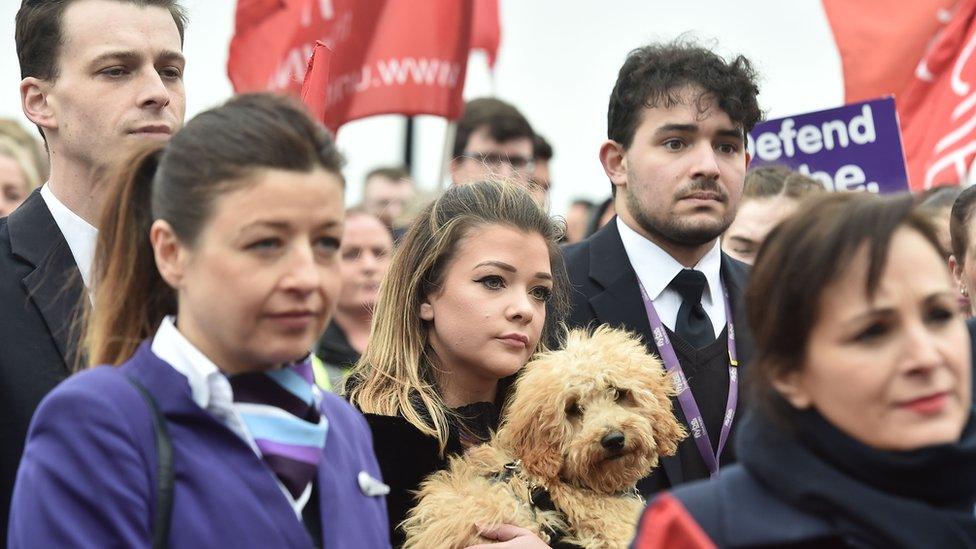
584, 424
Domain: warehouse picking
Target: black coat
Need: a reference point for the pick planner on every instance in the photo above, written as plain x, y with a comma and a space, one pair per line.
40, 293
406, 457
605, 291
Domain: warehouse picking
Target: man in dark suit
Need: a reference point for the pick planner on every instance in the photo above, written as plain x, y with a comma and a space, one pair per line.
676, 158
121, 85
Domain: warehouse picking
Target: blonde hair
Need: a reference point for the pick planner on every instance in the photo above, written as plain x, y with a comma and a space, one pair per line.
10, 148
396, 374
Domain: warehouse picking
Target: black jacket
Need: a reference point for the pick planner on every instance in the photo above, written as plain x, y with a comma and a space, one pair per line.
41, 294
407, 456
337, 355
605, 291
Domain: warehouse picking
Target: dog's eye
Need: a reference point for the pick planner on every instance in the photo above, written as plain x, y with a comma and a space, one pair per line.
573, 409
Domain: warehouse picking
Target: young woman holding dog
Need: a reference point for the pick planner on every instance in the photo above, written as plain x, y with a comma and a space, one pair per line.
862, 432
461, 310
216, 270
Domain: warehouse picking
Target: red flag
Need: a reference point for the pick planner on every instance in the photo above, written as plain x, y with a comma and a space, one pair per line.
253, 12
880, 44
316, 78
271, 46
397, 56
938, 108
486, 31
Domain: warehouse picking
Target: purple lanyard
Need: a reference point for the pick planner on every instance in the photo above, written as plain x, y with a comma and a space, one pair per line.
685, 398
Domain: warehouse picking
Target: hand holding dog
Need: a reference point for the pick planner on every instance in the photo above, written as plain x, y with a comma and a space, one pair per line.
510, 537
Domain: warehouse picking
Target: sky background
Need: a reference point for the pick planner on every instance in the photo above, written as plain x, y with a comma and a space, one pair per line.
557, 63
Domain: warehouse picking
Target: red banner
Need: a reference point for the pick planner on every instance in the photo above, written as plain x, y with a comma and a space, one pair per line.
938, 108
272, 44
486, 31
880, 44
399, 57
253, 12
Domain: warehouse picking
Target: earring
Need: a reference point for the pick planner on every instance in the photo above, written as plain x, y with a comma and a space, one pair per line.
964, 291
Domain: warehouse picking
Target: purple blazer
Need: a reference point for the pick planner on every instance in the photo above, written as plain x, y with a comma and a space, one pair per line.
88, 475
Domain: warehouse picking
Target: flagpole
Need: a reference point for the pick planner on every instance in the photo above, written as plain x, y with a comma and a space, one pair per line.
449, 132
408, 146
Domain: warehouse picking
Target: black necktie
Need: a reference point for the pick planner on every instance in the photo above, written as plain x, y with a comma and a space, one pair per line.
692, 324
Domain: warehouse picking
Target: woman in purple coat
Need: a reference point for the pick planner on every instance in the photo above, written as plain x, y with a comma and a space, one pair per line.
216, 270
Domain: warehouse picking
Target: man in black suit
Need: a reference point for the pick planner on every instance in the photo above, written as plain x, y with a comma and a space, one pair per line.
676, 158
99, 76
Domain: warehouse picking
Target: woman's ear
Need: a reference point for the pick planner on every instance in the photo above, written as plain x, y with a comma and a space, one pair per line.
169, 252
791, 387
426, 311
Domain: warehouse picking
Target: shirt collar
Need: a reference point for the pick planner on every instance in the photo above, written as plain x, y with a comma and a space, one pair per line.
173, 348
656, 268
78, 233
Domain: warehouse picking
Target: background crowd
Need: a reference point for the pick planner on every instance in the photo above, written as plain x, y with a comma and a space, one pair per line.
200, 345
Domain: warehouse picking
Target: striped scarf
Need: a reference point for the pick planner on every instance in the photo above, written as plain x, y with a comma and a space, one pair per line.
280, 409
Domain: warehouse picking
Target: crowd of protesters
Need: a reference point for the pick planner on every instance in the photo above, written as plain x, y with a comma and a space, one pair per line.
201, 347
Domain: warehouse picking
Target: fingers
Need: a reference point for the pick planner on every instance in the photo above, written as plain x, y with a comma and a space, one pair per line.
502, 532
508, 537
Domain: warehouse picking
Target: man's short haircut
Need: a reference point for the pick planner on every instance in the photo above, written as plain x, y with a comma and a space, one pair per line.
396, 174
503, 121
39, 34
541, 149
653, 76
770, 181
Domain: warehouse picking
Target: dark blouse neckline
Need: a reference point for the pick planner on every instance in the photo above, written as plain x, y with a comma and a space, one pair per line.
475, 423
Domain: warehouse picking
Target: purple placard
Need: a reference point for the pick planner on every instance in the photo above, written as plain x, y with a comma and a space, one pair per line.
856, 147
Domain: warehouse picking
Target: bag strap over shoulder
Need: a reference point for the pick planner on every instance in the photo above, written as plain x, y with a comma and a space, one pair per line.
164, 474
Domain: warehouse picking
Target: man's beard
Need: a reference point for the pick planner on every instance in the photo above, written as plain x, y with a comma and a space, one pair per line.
673, 228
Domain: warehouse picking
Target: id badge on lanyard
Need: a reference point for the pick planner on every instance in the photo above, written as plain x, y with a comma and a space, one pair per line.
686, 400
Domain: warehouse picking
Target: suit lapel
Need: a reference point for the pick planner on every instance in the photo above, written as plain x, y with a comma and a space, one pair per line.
620, 305
54, 286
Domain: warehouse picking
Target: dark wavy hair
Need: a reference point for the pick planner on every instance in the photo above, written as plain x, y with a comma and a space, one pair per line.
652, 75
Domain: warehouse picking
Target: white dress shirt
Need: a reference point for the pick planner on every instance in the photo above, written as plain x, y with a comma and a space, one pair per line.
656, 269
210, 390
78, 233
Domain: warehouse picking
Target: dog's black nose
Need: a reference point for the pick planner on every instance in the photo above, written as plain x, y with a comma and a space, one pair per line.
613, 441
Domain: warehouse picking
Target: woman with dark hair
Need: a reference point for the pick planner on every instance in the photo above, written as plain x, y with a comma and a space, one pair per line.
215, 271
861, 430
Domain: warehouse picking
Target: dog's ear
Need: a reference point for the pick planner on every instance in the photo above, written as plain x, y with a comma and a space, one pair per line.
535, 427
667, 431
654, 396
